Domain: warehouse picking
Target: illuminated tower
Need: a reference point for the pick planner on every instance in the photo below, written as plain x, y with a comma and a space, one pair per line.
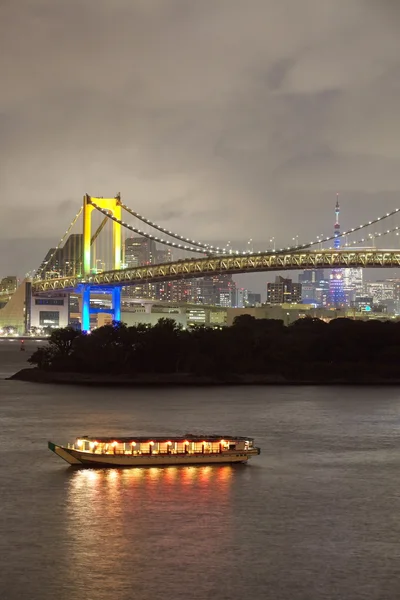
337, 296
113, 207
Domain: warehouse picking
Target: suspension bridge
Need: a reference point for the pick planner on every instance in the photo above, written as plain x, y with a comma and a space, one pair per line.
95, 259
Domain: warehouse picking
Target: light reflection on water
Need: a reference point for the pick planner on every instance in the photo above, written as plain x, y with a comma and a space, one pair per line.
153, 516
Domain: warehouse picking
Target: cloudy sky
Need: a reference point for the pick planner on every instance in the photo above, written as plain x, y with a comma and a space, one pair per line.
220, 119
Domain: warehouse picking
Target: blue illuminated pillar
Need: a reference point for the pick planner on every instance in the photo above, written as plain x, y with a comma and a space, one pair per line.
116, 303
85, 321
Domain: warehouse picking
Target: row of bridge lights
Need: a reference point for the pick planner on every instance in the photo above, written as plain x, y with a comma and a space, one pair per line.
295, 239
140, 232
156, 226
237, 252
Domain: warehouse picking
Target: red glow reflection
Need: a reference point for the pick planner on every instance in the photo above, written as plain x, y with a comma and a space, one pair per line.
117, 517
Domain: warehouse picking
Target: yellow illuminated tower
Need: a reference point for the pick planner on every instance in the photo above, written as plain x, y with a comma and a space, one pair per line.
113, 208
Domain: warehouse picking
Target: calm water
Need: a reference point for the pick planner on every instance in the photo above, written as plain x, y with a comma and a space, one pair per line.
316, 516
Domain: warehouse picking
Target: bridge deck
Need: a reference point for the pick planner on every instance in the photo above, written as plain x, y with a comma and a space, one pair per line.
233, 264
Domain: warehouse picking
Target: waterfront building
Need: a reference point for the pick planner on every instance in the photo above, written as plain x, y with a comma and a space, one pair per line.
287, 313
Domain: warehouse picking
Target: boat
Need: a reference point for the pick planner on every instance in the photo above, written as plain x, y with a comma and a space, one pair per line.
190, 449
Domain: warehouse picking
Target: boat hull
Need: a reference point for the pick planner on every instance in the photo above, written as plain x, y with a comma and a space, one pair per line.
92, 460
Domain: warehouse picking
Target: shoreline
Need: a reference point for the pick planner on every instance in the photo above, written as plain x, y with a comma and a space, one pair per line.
33, 375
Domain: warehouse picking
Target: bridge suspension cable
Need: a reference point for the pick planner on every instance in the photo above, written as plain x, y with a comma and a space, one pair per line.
176, 236
374, 235
217, 250
345, 233
149, 235
78, 214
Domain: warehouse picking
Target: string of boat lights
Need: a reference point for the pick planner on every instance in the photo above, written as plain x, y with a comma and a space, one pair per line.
93, 444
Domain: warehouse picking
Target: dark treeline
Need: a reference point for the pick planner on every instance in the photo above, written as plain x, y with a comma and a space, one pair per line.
309, 349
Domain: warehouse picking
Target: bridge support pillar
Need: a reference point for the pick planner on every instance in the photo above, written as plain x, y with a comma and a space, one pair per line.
113, 207
85, 317
116, 303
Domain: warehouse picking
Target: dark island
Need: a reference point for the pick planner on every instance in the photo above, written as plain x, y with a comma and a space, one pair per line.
262, 351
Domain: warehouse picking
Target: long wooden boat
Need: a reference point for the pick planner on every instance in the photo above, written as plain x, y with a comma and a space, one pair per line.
144, 451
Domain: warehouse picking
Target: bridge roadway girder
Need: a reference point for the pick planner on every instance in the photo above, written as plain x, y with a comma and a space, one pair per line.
232, 264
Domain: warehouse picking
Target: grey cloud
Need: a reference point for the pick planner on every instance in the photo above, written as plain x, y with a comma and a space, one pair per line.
220, 117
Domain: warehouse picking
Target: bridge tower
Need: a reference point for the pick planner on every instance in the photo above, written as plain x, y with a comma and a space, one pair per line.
113, 207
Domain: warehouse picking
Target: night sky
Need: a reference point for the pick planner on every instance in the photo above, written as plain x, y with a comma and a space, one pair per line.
220, 119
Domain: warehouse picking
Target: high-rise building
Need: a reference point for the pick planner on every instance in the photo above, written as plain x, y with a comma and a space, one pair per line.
311, 276
310, 285
283, 291
322, 292
381, 291
65, 261
244, 298
337, 296
352, 284
219, 290
71, 255
163, 256
140, 251
253, 299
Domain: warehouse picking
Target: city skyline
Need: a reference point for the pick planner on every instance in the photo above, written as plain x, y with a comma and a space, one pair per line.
217, 136
139, 250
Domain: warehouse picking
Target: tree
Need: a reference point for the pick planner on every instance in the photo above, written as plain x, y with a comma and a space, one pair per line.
61, 340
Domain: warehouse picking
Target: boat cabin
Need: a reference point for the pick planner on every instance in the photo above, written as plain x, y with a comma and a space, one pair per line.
188, 444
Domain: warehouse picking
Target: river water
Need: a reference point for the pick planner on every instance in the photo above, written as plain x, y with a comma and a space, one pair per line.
316, 516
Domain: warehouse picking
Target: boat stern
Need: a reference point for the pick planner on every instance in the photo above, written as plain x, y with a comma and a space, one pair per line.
64, 453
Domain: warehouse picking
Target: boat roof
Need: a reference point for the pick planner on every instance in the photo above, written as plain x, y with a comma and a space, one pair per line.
158, 438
